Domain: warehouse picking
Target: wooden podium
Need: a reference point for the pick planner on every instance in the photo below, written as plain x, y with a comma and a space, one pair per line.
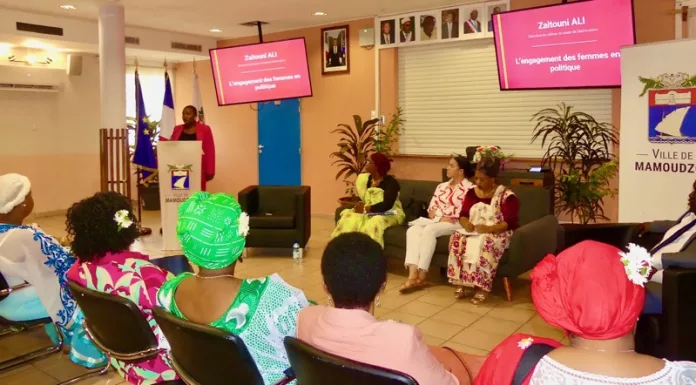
179, 165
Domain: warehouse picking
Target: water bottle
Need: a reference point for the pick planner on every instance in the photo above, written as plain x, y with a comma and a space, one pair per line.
297, 252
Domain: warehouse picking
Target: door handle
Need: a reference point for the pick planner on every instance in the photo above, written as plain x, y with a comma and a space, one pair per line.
260, 148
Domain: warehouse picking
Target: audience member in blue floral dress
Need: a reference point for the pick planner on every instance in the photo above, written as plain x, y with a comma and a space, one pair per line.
29, 255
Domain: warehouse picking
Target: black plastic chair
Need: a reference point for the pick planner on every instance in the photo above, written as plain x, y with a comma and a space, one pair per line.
116, 326
205, 355
313, 367
11, 327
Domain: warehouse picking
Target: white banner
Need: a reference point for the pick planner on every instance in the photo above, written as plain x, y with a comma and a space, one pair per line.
179, 165
658, 130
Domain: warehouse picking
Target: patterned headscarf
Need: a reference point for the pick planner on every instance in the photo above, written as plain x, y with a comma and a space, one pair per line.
586, 291
212, 230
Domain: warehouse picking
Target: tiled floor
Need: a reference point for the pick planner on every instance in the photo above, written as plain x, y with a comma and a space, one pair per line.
442, 319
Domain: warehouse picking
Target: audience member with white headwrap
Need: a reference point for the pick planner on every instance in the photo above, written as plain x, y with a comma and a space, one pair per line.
29, 255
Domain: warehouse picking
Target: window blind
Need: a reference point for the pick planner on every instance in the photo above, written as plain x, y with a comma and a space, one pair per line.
451, 100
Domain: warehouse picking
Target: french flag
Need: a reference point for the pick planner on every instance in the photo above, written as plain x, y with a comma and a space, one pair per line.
168, 120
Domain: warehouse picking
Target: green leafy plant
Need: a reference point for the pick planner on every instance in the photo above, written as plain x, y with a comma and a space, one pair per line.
578, 150
354, 147
386, 136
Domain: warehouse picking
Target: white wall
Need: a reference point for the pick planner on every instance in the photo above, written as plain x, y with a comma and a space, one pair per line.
53, 138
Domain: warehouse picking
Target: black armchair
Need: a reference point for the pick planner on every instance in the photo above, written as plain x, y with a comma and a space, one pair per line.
117, 327
279, 216
667, 332
313, 367
204, 355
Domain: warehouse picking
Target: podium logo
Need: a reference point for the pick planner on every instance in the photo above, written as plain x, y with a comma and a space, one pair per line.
180, 177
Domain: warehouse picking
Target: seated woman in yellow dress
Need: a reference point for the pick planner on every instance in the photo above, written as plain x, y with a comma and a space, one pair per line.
379, 207
488, 218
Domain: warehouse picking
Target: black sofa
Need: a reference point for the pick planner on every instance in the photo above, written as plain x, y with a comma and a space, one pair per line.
537, 236
670, 334
279, 216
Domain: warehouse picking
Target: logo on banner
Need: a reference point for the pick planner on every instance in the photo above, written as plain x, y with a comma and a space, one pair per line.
180, 177
671, 120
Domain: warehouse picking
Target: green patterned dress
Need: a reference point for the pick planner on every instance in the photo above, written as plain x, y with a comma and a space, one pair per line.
372, 225
263, 314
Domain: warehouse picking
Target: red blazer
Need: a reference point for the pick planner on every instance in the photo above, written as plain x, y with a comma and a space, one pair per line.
205, 135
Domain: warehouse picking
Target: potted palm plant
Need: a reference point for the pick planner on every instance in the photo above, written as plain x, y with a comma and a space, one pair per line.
578, 150
388, 135
354, 147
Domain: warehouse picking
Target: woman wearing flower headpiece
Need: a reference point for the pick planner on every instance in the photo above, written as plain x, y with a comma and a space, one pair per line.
102, 228
212, 230
28, 255
488, 218
595, 293
379, 207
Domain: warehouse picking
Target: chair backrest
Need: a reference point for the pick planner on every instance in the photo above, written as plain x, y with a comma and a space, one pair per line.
115, 324
205, 355
313, 367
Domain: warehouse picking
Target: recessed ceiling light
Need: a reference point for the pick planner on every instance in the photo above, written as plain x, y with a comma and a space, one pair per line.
68, 7
216, 30
319, 13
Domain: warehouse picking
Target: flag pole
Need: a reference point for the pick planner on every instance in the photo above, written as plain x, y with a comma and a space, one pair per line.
142, 231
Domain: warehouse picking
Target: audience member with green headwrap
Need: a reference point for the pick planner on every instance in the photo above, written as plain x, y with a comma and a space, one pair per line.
212, 229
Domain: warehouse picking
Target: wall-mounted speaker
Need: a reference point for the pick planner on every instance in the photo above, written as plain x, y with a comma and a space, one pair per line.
73, 65
367, 37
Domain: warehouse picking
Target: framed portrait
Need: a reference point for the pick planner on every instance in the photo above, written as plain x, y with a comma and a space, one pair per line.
428, 27
335, 42
492, 9
387, 32
407, 29
472, 21
449, 28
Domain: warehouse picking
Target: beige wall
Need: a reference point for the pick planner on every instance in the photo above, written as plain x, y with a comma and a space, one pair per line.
338, 97
53, 139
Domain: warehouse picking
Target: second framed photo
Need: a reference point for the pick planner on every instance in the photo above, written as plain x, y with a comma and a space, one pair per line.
336, 48
407, 29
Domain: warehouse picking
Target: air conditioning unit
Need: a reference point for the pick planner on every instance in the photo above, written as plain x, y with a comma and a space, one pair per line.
31, 78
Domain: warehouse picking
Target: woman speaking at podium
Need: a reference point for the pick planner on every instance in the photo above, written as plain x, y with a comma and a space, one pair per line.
195, 130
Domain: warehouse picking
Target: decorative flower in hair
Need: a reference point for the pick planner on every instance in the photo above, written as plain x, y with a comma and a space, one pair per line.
243, 225
637, 263
525, 343
122, 218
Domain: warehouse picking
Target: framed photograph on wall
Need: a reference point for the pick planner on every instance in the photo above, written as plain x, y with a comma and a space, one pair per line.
450, 24
407, 29
428, 26
492, 9
387, 32
472, 21
336, 45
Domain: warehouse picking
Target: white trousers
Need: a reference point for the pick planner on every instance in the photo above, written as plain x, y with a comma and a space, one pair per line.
421, 241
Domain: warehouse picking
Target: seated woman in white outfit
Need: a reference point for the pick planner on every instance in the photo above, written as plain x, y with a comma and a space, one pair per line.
443, 212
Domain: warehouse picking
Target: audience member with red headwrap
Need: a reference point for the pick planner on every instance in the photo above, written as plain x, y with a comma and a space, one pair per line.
595, 293
379, 207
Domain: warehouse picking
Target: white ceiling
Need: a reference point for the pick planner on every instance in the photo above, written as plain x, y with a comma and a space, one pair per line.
199, 16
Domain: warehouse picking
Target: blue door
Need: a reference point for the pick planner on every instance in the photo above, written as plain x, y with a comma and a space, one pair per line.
280, 159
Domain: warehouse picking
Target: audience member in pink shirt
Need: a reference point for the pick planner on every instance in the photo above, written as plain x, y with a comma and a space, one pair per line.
355, 272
